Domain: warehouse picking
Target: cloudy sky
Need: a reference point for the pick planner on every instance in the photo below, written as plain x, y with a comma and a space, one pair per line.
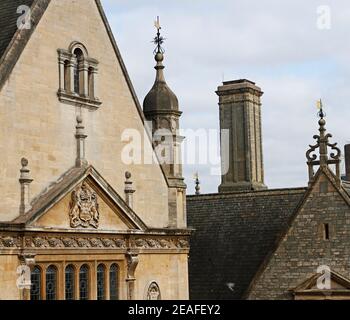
292, 50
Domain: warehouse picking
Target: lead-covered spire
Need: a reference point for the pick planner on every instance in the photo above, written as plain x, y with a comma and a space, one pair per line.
160, 97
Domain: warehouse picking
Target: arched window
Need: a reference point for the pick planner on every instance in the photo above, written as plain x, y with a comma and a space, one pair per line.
70, 282
101, 282
113, 282
35, 289
77, 76
51, 283
84, 284
80, 56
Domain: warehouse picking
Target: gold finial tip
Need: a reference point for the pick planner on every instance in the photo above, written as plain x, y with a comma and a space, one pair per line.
319, 104
157, 23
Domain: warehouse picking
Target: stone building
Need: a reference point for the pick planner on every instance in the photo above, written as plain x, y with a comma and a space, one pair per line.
78, 221
254, 243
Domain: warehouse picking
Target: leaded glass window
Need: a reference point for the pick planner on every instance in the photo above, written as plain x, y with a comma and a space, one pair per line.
79, 55
101, 282
35, 289
51, 283
113, 282
84, 282
70, 282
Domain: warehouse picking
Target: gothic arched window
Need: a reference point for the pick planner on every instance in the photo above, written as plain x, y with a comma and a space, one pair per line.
113, 282
70, 282
84, 284
51, 283
35, 289
101, 282
77, 66
153, 292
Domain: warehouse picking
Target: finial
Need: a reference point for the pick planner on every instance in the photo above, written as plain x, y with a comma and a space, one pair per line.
323, 144
320, 113
25, 180
80, 137
198, 187
158, 40
129, 190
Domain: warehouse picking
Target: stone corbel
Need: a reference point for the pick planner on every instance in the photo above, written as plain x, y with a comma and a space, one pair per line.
27, 261
132, 262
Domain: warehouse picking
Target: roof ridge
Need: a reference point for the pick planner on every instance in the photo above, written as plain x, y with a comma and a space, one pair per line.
248, 193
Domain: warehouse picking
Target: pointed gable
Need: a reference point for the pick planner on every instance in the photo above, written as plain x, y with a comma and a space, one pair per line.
81, 199
327, 285
318, 232
29, 86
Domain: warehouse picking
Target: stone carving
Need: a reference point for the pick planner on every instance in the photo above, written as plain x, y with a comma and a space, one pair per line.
68, 242
84, 208
183, 243
54, 242
47, 242
162, 243
83, 243
96, 243
9, 242
40, 242
120, 243
153, 292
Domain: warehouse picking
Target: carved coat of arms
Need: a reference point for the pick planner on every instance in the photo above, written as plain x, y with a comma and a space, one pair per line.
84, 208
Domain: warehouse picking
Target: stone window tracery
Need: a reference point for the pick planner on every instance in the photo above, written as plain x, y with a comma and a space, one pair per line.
51, 283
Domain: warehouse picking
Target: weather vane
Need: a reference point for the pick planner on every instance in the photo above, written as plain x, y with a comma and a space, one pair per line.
158, 40
320, 113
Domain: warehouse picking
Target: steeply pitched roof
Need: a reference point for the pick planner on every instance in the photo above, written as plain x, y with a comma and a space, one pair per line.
8, 20
234, 233
14, 40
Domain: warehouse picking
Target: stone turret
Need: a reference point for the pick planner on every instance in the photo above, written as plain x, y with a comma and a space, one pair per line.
161, 109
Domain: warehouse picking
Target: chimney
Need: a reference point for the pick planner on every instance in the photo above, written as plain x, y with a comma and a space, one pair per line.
347, 161
241, 148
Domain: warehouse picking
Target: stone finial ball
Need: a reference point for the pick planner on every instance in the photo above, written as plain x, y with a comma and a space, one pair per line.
79, 119
159, 57
127, 175
24, 162
322, 122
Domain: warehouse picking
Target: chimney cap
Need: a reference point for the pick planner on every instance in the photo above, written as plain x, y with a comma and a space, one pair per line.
237, 81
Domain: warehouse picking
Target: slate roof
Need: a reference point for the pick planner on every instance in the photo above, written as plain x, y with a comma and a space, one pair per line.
8, 20
234, 234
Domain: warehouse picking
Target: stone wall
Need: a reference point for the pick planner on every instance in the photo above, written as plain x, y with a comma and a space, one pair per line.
304, 248
35, 125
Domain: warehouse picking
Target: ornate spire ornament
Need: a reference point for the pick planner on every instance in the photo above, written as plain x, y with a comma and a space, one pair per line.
158, 40
322, 143
198, 186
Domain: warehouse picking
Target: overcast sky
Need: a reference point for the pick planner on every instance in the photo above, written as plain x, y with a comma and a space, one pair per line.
285, 47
